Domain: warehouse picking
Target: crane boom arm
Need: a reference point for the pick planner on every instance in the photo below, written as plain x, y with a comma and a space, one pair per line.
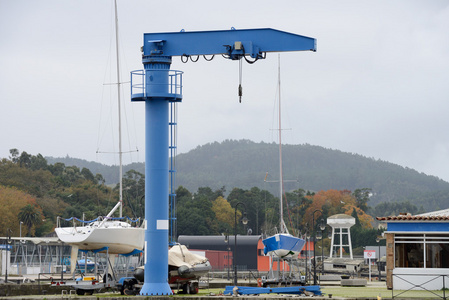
233, 43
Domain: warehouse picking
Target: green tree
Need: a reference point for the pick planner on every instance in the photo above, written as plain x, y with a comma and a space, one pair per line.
194, 214
134, 192
256, 201
87, 174
362, 198
38, 162
30, 216
14, 155
24, 160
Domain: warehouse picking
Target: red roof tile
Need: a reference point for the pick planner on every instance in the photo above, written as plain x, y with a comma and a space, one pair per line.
413, 218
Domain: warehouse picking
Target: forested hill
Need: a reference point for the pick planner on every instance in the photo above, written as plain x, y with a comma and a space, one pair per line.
244, 164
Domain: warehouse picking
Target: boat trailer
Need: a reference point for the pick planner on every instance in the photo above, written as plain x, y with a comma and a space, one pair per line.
298, 290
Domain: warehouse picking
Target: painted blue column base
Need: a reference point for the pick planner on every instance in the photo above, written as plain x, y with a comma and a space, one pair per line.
156, 289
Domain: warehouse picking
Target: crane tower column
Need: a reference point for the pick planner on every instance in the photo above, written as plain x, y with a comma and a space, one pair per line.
157, 91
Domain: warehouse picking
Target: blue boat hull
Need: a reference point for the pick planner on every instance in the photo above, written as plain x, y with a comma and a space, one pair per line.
283, 245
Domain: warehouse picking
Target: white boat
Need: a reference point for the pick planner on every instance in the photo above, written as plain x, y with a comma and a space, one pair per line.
185, 269
283, 244
117, 236
112, 234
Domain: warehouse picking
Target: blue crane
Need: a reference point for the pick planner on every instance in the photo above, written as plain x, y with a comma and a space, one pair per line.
159, 86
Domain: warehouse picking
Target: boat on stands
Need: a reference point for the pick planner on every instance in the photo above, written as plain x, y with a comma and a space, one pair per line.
185, 270
113, 235
282, 244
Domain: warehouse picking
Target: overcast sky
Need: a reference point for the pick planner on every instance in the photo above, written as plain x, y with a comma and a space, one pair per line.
377, 86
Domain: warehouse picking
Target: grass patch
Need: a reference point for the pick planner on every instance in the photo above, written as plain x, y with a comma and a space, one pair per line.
336, 291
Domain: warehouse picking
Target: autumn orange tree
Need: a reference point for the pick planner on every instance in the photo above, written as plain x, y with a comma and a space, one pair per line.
51, 191
332, 202
12, 201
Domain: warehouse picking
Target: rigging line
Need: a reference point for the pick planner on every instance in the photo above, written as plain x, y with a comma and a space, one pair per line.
107, 77
123, 62
127, 129
288, 209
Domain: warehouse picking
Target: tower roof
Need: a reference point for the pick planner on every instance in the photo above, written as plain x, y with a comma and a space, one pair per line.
341, 221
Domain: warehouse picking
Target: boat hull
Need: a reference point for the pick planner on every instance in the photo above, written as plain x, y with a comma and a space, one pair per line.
283, 245
184, 266
117, 236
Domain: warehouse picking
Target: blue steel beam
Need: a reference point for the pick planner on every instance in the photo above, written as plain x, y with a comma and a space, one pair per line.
254, 41
158, 91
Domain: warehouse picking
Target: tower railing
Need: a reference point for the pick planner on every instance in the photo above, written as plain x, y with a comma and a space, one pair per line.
141, 88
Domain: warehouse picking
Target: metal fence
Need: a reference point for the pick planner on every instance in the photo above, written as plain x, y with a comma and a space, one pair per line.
434, 284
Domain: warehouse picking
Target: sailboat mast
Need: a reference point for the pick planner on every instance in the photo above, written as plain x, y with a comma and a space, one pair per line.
281, 179
119, 112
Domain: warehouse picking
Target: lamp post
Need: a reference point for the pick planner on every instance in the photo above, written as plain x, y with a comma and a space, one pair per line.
8, 239
378, 259
314, 239
319, 236
244, 221
227, 248
322, 227
306, 251
21, 228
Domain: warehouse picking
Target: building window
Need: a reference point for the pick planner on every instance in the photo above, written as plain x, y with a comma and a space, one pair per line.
437, 255
421, 251
409, 255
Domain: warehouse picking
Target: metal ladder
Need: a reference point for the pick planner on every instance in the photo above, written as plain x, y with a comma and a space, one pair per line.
172, 170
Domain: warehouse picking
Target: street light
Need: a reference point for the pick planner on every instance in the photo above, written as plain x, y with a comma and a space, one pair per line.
244, 221
227, 248
306, 251
8, 236
314, 238
319, 236
322, 227
21, 228
378, 259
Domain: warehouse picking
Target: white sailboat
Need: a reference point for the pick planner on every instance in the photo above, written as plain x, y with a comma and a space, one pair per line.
111, 234
283, 244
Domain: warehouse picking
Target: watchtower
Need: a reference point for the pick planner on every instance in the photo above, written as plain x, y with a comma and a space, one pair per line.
341, 234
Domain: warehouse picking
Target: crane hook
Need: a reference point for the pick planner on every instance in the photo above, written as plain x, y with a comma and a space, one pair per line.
240, 81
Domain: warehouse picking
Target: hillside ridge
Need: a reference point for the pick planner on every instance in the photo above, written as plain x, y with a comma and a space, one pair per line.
244, 164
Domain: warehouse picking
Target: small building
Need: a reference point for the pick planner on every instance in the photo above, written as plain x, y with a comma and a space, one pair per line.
247, 248
343, 265
417, 250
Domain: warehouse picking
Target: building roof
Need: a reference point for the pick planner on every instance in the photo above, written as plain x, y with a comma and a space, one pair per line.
444, 212
441, 215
